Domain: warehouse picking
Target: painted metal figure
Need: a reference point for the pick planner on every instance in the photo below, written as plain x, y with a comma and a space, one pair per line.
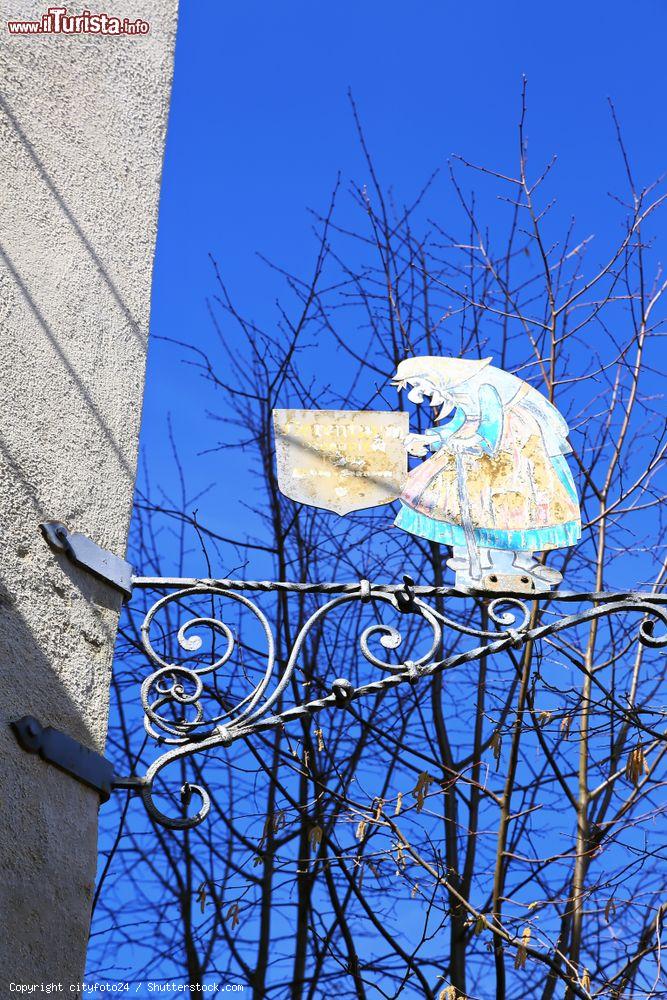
496, 486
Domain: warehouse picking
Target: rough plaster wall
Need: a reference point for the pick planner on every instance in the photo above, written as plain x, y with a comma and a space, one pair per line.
82, 128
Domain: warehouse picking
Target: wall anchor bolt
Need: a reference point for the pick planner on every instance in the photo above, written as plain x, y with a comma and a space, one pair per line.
80, 762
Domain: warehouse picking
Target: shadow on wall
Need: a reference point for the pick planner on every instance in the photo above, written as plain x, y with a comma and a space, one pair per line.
72, 373
57, 623
139, 334
49, 836
68, 360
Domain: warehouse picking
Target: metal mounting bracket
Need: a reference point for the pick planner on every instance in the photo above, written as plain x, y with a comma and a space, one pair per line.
73, 758
85, 553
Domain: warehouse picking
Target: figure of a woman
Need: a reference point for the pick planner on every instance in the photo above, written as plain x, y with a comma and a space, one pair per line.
496, 486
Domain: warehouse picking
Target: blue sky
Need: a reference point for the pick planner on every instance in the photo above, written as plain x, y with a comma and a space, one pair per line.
260, 125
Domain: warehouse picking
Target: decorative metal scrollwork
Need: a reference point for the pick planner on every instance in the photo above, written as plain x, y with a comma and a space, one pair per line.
174, 684
185, 710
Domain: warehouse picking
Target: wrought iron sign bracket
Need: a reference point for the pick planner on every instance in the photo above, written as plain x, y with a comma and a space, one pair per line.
186, 717
88, 555
80, 762
181, 706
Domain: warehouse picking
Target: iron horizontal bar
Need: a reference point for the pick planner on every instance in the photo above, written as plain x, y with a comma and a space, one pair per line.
290, 586
132, 782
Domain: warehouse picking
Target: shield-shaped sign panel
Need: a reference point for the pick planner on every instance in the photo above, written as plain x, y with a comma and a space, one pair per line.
341, 460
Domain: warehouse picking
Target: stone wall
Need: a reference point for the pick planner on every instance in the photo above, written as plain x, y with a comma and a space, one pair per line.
82, 130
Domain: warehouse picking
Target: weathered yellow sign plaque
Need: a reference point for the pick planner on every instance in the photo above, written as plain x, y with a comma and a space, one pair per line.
341, 460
